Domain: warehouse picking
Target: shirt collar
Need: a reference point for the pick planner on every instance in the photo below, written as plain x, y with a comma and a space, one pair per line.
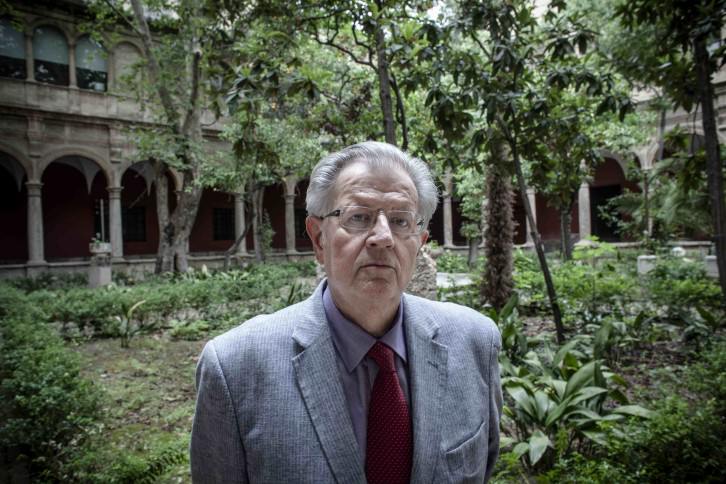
353, 342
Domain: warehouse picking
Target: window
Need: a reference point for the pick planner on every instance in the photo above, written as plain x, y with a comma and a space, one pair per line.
134, 224
12, 51
91, 69
50, 52
223, 223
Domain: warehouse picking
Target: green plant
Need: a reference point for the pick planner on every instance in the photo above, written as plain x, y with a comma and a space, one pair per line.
127, 328
565, 399
45, 403
680, 443
450, 262
707, 376
190, 330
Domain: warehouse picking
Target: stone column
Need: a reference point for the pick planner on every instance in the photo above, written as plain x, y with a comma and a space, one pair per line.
290, 184
115, 223
29, 64
239, 222
72, 81
36, 253
532, 197
448, 219
583, 211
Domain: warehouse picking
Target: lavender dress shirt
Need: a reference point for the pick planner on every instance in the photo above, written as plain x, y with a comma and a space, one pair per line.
357, 371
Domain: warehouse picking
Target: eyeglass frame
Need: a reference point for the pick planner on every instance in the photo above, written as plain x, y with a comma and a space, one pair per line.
418, 220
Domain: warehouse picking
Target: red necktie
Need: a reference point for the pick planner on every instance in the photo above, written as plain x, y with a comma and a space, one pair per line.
389, 447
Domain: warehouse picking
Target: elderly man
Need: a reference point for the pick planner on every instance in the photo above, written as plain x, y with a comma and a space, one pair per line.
360, 382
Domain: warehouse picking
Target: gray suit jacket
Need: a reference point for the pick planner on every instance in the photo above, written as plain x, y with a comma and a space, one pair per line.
271, 409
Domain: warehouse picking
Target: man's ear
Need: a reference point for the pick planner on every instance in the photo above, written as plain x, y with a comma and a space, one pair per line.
424, 237
314, 227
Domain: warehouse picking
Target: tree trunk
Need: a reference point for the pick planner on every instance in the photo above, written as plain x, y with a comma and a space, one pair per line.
497, 284
164, 253
233, 250
400, 113
565, 235
552, 295
257, 197
713, 159
384, 87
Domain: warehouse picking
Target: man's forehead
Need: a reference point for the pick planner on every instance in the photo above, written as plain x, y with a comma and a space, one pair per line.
360, 179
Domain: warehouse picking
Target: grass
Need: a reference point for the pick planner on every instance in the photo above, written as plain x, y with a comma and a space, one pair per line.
149, 390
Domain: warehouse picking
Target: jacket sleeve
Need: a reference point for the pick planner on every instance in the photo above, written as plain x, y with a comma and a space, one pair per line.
495, 406
217, 454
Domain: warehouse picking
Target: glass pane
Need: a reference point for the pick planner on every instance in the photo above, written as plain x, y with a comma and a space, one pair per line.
50, 51
90, 64
12, 51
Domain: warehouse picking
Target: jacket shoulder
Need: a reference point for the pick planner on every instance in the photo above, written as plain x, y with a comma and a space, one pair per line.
455, 319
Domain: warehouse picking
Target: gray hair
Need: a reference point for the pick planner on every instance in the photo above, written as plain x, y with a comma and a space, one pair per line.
375, 155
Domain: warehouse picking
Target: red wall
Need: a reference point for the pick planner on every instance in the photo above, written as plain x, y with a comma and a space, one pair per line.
548, 220
202, 236
13, 220
274, 203
68, 211
134, 194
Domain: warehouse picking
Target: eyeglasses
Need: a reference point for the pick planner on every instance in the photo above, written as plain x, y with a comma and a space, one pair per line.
362, 219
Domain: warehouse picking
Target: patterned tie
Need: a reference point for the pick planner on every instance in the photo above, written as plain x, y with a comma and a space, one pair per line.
389, 447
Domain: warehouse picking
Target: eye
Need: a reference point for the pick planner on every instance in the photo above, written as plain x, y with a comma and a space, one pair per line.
400, 221
358, 218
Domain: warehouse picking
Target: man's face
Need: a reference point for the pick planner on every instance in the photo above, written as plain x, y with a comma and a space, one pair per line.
376, 265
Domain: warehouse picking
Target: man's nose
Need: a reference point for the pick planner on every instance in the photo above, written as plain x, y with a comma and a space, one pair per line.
380, 234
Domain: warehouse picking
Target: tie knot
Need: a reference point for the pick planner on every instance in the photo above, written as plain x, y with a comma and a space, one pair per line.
383, 356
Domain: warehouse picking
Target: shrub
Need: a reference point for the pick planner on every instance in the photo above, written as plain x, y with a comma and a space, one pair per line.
680, 443
450, 262
707, 376
45, 404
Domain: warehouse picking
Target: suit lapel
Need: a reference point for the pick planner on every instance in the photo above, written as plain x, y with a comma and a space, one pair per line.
316, 372
427, 362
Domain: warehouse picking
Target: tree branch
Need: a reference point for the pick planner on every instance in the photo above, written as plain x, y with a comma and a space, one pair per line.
154, 69
346, 51
123, 16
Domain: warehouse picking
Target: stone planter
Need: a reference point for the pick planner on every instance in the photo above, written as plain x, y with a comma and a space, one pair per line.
99, 248
711, 266
646, 263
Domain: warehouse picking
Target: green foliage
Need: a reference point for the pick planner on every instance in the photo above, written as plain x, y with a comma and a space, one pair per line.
46, 405
680, 443
189, 330
707, 376
451, 262
47, 280
562, 402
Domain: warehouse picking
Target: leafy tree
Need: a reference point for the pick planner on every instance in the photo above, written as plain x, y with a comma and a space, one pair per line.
184, 43
679, 49
370, 34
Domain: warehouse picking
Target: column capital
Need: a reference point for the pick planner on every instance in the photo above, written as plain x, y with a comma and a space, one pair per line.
34, 187
531, 192
114, 192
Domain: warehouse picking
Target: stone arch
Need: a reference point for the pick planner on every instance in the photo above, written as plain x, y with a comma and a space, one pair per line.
614, 156
65, 29
80, 151
20, 158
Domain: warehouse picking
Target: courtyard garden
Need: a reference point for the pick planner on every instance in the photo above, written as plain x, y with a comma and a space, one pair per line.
98, 384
